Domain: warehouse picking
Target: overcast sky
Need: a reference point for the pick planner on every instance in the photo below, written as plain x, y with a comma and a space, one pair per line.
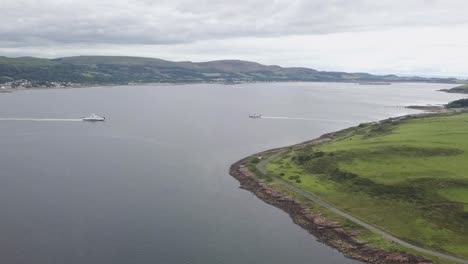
424, 37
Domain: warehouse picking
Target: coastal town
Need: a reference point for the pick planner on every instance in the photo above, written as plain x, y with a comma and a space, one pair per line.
26, 84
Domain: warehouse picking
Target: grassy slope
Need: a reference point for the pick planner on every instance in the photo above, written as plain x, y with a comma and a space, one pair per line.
361, 233
459, 89
409, 179
126, 61
99, 69
29, 61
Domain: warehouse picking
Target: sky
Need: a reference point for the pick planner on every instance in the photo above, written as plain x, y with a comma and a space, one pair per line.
405, 37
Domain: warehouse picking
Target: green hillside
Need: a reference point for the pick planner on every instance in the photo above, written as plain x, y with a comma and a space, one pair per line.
26, 61
406, 177
120, 69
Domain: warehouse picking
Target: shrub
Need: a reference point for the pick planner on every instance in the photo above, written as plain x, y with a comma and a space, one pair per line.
255, 160
294, 177
323, 165
458, 103
305, 156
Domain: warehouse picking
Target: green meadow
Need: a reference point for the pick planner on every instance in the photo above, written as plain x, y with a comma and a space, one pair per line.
407, 177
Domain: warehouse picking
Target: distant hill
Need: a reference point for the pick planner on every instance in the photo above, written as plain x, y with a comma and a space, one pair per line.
239, 66
121, 70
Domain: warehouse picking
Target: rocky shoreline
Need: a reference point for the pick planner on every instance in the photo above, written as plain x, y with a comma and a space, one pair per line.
328, 232
428, 108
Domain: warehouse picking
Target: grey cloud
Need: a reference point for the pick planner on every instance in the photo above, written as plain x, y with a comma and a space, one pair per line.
36, 23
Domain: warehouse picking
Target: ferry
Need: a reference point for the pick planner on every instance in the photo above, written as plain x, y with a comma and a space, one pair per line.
374, 83
255, 116
93, 117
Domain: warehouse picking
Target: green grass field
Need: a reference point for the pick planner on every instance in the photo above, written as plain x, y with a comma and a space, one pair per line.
409, 178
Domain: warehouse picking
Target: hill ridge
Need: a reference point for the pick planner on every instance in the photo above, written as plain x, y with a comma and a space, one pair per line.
91, 69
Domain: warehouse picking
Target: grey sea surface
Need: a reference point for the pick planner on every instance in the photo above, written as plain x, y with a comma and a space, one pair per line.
151, 184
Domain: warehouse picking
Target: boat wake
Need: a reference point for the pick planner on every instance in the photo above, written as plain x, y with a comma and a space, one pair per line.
42, 119
307, 119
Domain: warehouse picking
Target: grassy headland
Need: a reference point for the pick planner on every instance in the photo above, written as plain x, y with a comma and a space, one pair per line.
458, 89
402, 178
407, 177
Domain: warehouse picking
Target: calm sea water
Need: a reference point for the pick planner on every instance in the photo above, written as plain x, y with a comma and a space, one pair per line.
151, 184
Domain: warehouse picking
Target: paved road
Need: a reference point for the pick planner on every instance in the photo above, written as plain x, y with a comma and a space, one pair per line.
261, 167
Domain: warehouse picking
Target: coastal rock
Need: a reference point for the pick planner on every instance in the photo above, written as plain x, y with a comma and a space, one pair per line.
326, 231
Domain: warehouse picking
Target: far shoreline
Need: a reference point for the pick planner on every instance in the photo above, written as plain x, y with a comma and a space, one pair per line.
104, 85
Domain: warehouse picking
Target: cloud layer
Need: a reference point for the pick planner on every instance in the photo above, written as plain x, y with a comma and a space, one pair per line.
365, 35
31, 22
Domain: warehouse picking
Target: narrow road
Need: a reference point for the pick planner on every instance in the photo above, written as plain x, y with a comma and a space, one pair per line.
261, 167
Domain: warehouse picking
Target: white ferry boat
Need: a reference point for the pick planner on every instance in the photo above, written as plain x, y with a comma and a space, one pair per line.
93, 117
255, 116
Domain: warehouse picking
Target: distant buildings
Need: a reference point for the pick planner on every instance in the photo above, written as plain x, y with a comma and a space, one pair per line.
25, 84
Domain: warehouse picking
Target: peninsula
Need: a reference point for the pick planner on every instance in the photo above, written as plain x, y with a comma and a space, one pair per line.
458, 89
393, 191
